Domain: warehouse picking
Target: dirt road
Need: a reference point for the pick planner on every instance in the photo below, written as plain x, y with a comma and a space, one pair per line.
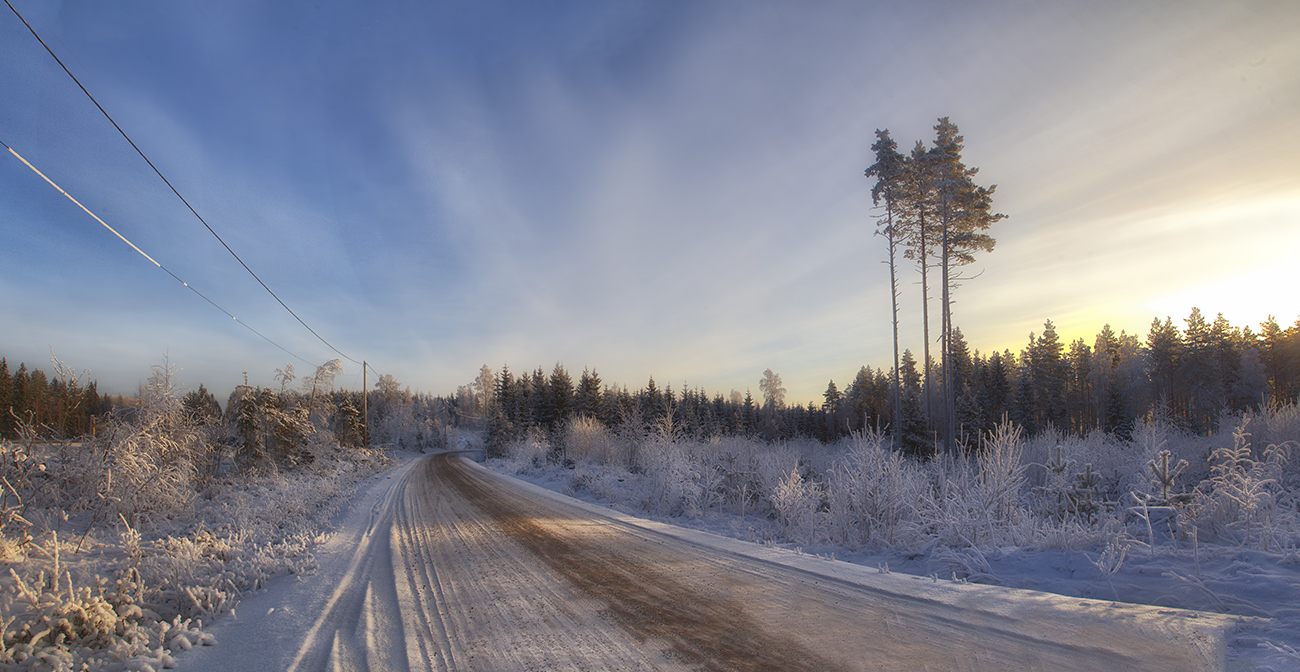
462, 569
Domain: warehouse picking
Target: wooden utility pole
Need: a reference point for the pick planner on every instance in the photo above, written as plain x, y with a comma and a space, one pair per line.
365, 412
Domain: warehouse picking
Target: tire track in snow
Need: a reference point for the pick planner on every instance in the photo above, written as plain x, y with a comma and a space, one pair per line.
702, 630
356, 631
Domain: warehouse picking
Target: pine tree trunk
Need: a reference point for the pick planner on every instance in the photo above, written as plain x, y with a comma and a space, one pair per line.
896, 400
925, 321
949, 415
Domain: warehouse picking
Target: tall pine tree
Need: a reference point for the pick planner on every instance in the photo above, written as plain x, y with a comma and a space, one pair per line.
889, 172
964, 212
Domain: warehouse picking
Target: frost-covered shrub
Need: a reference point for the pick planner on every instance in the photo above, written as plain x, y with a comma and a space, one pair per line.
52, 620
797, 501
589, 439
148, 463
349, 426
977, 502
673, 486
1246, 498
528, 453
1279, 425
191, 534
967, 563
871, 492
610, 484
1002, 472
740, 486
770, 467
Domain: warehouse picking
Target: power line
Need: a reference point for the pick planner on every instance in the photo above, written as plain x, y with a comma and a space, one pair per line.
169, 184
146, 256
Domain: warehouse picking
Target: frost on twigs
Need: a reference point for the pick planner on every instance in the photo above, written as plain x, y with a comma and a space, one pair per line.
120, 546
1247, 497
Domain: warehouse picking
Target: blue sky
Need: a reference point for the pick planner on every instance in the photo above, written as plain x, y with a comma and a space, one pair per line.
645, 188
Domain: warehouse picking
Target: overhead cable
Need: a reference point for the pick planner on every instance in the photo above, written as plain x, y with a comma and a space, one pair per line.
169, 184
146, 256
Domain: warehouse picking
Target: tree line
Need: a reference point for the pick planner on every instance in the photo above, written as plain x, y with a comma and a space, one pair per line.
1190, 377
260, 425
55, 406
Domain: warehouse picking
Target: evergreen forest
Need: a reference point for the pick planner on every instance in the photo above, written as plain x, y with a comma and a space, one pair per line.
1192, 377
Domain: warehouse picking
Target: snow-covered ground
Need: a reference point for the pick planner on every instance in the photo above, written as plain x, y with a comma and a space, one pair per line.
1261, 589
269, 628
136, 594
435, 568
344, 568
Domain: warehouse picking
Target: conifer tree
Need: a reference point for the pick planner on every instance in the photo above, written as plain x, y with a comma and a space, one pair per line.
830, 409
1196, 372
1280, 353
963, 212
858, 402
913, 426
1078, 389
1250, 388
748, 416
1048, 372
652, 404
1101, 375
587, 398
35, 393
831, 398
959, 359
560, 397
917, 226
200, 406
1165, 345
1227, 345
504, 395
6, 402
539, 400
996, 390
889, 172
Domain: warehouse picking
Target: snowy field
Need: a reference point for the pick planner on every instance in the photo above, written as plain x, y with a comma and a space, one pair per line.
1043, 514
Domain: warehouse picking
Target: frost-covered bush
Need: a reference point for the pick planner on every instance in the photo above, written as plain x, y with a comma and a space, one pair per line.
169, 530
748, 471
53, 622
1002, 473
149, 463
673, 480
1246, 499
133, 599
588, 439
798, 501
1279, 425
871, 493
1095, 494
976, 502
527, 454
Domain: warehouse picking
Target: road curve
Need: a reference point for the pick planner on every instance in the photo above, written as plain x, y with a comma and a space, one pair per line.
463, 569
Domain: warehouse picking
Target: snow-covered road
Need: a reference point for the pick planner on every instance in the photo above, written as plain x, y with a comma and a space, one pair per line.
444, 565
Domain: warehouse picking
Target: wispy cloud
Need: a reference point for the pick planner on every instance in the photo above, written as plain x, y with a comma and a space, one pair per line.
648, 189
